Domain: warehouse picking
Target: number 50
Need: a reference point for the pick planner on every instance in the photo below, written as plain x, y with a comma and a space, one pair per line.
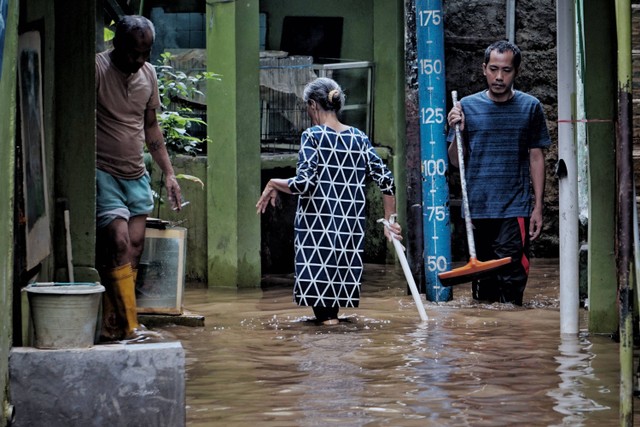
436, 263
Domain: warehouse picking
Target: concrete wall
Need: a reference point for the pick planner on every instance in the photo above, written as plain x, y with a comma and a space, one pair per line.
177, 30
193, 217
601, 98
74, 131
389, 112
233, 171
105, 385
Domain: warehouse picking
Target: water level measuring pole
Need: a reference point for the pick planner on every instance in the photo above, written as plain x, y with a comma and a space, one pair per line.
432, 101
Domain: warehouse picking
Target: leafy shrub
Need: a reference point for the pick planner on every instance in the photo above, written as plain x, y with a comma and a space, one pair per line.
177, 91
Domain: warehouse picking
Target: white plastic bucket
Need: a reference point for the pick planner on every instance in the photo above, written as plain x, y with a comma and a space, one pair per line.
64, 315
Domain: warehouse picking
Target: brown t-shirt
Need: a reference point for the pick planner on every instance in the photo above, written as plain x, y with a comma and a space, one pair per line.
121, 103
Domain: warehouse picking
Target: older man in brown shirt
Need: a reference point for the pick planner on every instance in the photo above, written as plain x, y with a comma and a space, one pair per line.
127, 99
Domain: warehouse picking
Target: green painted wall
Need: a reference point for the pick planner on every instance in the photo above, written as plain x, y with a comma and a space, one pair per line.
234, 154
7, 135
74, 131
388, 51
193, 217
68, 86
600, 103
389, 117
357, 26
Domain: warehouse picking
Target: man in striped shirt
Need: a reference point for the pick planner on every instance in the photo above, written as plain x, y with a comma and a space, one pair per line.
505, 134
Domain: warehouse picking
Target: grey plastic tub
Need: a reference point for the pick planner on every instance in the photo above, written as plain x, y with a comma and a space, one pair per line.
64, 315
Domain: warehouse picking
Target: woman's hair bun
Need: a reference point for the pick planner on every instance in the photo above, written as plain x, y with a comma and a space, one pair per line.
326, 92
333, 94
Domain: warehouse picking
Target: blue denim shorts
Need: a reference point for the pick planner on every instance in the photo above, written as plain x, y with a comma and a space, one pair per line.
121, 198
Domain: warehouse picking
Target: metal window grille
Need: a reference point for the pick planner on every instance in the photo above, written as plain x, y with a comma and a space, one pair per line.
283, 114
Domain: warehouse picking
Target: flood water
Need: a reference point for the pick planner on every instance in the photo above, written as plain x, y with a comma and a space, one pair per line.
261, 361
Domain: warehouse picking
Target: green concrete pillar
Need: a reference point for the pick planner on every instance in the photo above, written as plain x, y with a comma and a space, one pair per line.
389, 118
8, 65
233, 116
600, 104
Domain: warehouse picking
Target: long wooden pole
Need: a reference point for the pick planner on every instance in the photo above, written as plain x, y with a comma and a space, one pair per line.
624, 162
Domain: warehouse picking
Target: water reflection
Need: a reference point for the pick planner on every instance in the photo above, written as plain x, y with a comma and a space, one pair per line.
577, 379
260, 360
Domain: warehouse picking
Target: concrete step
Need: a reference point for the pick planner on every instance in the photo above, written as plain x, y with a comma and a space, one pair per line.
104, 385
187, 318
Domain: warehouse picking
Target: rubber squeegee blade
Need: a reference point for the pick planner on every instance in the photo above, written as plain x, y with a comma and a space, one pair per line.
472, 270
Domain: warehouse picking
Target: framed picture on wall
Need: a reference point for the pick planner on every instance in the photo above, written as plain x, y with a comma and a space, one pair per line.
36, 209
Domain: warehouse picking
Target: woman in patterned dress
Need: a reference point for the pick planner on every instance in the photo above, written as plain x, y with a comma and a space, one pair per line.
333, 163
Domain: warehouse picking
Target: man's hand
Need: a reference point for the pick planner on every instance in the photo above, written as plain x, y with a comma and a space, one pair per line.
456, 116
535, 223
173, 190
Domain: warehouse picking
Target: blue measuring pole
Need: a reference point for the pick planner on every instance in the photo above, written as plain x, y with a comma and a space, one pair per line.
433, 146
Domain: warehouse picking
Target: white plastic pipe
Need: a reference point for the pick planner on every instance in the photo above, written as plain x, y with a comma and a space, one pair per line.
407, 274
567, 170
511, 20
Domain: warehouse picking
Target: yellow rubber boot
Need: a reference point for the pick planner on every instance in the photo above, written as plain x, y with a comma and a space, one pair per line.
135, 283
125, 297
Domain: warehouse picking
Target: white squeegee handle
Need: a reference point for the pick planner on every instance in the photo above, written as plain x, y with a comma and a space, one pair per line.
405, 268
463, 184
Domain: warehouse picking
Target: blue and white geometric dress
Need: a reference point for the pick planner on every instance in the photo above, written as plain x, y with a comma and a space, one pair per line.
329, 225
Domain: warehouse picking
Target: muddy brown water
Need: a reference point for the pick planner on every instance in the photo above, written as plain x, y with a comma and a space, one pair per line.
261, 361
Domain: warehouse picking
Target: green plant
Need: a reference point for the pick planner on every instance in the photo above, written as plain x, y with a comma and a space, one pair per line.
177, 91
109, 33
175, 128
